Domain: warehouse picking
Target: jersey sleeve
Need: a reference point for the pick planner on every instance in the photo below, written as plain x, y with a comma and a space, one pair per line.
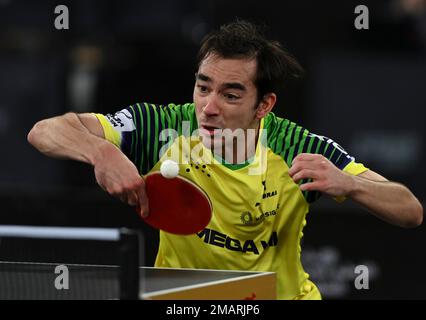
141, 130
288, 140
337, 155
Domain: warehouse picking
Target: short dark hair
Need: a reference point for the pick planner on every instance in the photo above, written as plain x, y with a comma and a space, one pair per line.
245, 40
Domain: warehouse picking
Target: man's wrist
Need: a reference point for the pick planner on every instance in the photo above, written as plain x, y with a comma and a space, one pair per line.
354, 186
103, 149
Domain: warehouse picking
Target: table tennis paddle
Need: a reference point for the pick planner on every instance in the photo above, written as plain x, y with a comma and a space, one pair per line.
176, 205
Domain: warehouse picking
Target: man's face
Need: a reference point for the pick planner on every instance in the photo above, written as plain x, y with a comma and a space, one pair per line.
225, 96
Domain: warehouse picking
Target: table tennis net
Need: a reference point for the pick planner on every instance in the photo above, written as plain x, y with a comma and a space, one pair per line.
68, 263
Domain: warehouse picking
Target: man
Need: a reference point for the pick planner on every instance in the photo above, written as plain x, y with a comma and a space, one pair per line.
260, 186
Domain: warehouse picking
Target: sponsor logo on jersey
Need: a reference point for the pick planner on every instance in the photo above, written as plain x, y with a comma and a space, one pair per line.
216, 238
267, 214
270, 194
121, 121
267, 194
246, 218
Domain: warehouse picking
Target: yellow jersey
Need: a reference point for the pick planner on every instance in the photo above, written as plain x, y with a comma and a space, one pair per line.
259, 212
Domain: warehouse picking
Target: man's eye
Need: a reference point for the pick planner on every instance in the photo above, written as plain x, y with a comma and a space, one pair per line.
231, 97
202, 88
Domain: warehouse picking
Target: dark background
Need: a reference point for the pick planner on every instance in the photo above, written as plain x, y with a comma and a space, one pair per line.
363, 88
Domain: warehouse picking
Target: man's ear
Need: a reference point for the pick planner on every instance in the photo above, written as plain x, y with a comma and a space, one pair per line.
266, 105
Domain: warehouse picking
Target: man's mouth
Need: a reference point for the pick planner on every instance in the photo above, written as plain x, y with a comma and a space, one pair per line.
210, 129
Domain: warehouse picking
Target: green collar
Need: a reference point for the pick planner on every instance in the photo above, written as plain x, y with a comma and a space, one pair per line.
233, 166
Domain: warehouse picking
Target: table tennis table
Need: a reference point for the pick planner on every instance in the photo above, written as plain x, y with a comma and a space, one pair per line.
123, 279
34, 281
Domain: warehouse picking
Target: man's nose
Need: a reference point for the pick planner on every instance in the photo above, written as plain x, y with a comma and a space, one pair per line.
212, 107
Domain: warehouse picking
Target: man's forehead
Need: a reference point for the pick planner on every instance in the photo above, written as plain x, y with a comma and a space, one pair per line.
218, 68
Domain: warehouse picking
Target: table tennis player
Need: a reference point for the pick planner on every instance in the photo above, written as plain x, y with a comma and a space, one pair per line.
260, 172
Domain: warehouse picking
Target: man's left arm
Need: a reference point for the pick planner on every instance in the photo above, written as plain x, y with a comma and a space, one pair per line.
389, 201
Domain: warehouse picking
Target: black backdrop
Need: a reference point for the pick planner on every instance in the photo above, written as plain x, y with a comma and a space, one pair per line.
365, 89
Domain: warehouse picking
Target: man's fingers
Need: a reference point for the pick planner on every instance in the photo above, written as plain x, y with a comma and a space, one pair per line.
132, 198
310, 186
129, 197
304, 161
301, 164
305, 157
304, 174
143, 205
143, 208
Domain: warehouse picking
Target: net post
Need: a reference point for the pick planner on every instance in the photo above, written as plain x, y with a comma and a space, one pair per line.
129, 264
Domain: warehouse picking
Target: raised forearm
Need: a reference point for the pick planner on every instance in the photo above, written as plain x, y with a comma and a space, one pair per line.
389, 201
65, 137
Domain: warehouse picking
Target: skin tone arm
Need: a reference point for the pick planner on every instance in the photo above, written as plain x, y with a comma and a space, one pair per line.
387, 200
80, 137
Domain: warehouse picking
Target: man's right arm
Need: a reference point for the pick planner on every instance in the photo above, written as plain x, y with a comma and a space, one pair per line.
70, 136
81, 137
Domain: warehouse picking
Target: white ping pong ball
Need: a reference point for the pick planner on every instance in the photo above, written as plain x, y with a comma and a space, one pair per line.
169, 169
